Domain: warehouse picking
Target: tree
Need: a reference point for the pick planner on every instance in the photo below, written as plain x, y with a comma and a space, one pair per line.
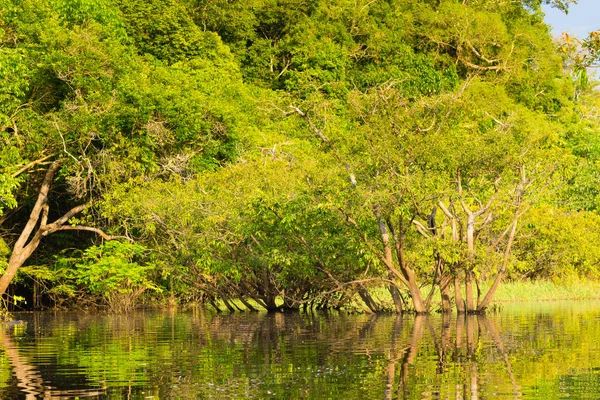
299, 154
82, 101
32, 234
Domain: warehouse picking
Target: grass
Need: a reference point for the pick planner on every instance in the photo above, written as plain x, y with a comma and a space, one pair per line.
548, 291
520, 291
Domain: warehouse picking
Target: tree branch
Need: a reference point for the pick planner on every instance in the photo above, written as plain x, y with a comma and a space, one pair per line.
421, 228
445, 210
42, 199
97, 231
316, 130
73, 211
44, 220
31, 164
387, 263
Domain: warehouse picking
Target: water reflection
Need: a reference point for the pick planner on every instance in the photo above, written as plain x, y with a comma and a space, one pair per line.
29, 379
201, 355
462, 353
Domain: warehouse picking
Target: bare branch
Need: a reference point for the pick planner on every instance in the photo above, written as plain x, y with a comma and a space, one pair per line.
73, 211
496, 120
31, 164
284, 70
488, 219
465, 208
310, 123
430, 126
64, 143
480, 54
387, 262
445, 210
97, 231
421, 228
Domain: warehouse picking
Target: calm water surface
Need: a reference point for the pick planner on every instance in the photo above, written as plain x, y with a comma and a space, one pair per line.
543, 351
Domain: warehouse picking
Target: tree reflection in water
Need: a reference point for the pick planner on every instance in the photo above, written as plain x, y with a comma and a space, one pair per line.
463, 354
294, 355
30, 380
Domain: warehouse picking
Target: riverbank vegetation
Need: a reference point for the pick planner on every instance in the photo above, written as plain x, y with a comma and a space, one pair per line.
291, 154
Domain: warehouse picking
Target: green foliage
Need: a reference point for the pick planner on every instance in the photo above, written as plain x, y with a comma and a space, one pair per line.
114, 267
173, 36
8, 185
559, 243
74, 87
255, 147
114, 273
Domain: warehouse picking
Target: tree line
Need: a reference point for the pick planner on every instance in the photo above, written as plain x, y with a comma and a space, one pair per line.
293, 153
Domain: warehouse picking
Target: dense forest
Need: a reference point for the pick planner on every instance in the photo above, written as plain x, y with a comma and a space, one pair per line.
282, 154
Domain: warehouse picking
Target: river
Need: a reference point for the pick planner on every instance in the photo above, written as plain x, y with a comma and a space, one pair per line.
526, 350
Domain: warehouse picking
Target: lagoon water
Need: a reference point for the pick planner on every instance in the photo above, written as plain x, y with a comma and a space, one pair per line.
537, 351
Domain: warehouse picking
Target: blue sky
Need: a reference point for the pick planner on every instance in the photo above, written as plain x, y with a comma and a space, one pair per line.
583, 18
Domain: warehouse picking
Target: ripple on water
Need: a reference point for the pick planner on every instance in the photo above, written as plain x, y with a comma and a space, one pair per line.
530, 351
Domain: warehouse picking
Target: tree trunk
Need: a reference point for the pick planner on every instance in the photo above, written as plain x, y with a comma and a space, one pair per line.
389, 259
460, 303
417, 297
385, 239
448, 279
228, 305
395, 295
520, 191
408, 274
22, 250
26, 243
445, 293
492, 291
214, 304
368, 300
246, 304
17, 258
270, 303
437, 279
469, 290
469, 270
